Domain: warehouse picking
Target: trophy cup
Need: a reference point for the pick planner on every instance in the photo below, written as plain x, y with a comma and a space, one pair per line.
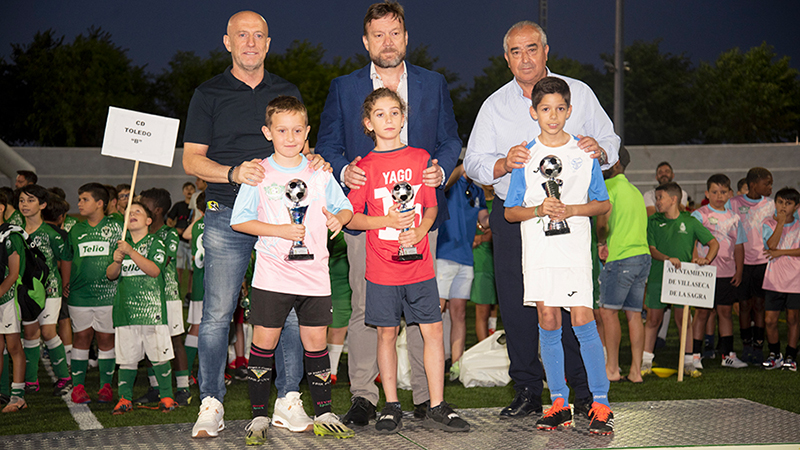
403, 194
296, 191
550, 168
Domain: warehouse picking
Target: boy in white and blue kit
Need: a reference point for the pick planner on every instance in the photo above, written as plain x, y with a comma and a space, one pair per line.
557, 269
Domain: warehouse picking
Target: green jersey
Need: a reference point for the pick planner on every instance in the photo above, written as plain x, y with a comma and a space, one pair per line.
170, 238
14, 243
16, 218
674, 238
69, 222
198, 260
118, 216
91, 255
140, 298
54, 248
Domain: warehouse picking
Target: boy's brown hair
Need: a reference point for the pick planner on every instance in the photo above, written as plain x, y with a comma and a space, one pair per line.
672, 189
284, 104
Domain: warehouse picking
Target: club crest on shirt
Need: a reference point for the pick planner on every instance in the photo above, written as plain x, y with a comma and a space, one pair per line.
744, 209
105, 232
682, 229
713, 220
576, 163
274, 191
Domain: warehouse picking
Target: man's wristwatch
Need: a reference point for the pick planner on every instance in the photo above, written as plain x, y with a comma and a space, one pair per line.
230, 177
603, 159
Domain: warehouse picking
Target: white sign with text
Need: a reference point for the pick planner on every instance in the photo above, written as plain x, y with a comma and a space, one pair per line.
140, 136
691, 285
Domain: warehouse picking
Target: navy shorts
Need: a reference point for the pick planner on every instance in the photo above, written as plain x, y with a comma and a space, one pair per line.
752, 281
270, 309
778, 301
418, 302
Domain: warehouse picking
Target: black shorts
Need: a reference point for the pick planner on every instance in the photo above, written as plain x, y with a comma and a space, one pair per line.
752, 281
778, 301
270, 309
726, 294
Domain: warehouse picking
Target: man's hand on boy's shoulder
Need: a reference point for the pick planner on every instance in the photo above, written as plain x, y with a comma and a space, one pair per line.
590, 145
517, 157
354, 176
318, 162
249, 172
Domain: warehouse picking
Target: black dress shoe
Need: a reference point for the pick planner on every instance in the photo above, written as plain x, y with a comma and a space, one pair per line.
360, 413
582, 406
524, 404
421, 410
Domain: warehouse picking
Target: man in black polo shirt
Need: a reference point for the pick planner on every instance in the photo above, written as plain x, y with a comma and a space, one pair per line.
223, 145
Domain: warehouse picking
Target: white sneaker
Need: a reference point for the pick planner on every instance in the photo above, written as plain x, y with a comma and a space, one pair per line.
732, 361
697, 361
256, 431
289, 414
210, 419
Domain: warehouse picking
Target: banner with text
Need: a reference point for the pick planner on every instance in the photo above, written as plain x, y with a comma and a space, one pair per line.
691, 285
140, 136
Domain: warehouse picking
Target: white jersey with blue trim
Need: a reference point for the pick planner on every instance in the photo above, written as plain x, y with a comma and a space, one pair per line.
581, 182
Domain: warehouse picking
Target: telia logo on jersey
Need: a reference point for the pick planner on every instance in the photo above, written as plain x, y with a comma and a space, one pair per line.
130, 269
98, 248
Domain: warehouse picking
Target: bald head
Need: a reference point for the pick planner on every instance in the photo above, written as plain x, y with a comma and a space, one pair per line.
248, 16
248, 41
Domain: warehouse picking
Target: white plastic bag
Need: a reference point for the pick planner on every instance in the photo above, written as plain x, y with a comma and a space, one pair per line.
403, 365
486, 363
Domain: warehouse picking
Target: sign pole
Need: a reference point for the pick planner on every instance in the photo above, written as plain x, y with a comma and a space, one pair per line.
130, 199
684, 329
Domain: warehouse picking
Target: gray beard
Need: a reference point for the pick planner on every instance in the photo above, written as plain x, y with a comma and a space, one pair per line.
383, 64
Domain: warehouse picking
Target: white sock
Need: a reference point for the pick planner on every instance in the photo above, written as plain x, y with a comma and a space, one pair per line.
492, 323
335, 352
662, 332
191, 341
647, 357
182, 381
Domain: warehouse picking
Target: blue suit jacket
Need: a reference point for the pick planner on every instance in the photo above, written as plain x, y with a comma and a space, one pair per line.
431, 121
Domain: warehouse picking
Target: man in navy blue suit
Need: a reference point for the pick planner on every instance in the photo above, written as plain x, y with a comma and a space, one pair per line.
430, 125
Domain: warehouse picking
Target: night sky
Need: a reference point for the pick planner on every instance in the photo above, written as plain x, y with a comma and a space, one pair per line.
463, 34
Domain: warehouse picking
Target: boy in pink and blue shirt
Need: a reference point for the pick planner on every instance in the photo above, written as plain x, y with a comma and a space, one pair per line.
781, 282
726, 226
280, 284
752, 208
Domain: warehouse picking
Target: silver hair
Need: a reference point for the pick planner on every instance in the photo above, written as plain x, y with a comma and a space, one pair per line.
524, 24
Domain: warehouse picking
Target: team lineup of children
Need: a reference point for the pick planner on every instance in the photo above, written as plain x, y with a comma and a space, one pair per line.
123, 293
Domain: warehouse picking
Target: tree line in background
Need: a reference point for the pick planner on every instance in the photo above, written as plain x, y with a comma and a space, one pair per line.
57, 93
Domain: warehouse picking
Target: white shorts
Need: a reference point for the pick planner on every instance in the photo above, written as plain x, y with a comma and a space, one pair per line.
184, 259
559, 287
49, 315
133, 342
175, 318
99, 318
195, 313
9, 318
454, 279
